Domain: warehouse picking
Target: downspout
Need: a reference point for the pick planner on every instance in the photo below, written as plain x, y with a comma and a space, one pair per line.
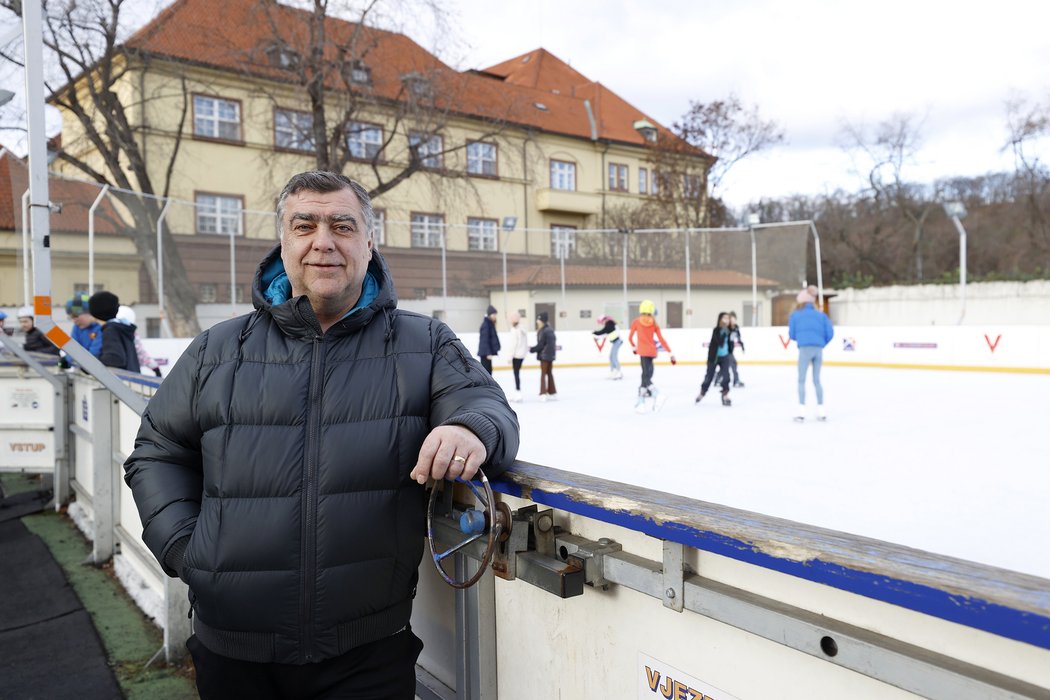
525, 185
594, 139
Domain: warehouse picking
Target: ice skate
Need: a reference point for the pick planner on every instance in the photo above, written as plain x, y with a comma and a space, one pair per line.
725, 399
617, 374
516, 397
738, 385
544, 397
800, 414
659, 400
640, 405
698, 397
821, 415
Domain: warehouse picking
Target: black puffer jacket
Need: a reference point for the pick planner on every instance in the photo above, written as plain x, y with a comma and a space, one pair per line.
285, 453
546, 347
118, 347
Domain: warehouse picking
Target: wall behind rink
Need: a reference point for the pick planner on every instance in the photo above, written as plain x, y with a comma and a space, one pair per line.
982, 348
1006, 348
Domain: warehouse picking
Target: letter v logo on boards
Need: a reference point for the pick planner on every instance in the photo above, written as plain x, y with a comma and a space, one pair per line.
784, 341
992, 346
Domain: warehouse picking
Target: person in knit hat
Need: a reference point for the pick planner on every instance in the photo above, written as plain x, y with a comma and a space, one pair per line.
519, 347
86, 329
118, 339
35, 340
488, 340
546, 350
4, 329
811, 330
126, 315
647, 331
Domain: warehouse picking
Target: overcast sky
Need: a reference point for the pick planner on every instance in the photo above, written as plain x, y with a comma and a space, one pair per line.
809, 65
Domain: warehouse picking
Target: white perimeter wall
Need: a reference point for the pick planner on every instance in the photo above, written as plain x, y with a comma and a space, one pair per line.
1023, 303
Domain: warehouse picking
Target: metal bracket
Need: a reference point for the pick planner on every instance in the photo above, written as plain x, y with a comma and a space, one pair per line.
674, 576
589, 554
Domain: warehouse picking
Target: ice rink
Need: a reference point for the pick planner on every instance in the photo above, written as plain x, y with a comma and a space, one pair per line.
951, 462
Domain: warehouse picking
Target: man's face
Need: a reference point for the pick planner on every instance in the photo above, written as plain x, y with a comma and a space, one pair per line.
25, 323
325, 247
83, 320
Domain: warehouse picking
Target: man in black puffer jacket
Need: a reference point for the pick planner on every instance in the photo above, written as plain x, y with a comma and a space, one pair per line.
276, 467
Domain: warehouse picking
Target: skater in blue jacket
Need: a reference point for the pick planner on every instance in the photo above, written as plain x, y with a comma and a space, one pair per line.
811, 330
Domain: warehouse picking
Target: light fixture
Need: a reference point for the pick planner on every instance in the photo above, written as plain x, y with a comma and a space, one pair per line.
509, 222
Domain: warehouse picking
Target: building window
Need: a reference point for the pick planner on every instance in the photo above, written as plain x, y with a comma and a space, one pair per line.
481, 158
563, 241
364, 140
360, 73
428, 147
216, 118
563, 175
379, 238
654, 185
79, 287
618, 177
643, 181
293, 130
427, 230
282, 57
691, 186
207, 294
482, 234
219, 214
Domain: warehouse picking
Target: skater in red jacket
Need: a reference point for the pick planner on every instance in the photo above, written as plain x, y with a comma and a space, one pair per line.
647, 332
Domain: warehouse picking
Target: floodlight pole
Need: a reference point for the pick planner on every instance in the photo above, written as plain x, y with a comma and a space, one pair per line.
688, 280
752, 220
233, 272
160, 270
444, 274
26, 250
955, 212
91, 238
626, 306
820, 269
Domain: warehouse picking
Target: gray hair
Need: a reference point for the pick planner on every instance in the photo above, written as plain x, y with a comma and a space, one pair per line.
322, 181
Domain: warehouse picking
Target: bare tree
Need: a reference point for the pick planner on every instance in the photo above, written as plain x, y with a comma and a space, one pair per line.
1029, 124
334, 62
82, 40
885, 155
729, 131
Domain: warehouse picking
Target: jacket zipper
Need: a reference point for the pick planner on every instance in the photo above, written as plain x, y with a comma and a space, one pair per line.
309, 549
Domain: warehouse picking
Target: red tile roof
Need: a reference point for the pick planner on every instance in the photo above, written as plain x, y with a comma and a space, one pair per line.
549, 275
536, 90
75, 197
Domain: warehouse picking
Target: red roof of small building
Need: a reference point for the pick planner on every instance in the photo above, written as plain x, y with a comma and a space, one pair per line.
75, 198
549, 275
537, 89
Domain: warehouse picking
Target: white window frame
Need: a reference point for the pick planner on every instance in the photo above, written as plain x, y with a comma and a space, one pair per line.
293, 130
618, 177
482, 158
364, 140
427, 230
207, 293
379, 238
482, 234
643, 181
563, 241
563, 175
211, 115
429, 148
219, 215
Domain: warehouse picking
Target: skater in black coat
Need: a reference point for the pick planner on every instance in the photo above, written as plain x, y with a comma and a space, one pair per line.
546, 350
719, 350
35, 340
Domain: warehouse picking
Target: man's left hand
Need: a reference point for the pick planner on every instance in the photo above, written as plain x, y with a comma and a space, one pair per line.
449, 451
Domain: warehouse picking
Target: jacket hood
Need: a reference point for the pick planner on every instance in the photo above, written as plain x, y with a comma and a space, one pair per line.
271, 292
645, 320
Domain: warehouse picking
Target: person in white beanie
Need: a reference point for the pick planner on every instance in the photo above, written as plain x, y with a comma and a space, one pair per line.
811, 330
519, 348
126, 315
35, 340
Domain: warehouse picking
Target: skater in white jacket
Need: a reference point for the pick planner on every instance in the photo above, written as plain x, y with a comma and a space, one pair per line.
519, 348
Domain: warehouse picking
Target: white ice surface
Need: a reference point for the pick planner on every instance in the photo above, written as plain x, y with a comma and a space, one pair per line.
954, 463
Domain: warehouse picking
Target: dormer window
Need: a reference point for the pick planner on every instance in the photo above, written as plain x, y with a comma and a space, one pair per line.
646, 129
416, 83
282, 57
360, 73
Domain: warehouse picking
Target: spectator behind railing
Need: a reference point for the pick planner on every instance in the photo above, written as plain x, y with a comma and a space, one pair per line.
126, 315
35, 340
118, 339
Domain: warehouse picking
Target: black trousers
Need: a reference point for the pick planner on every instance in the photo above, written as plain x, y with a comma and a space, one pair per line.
382, 670
720, 365
516, 363
487, 364
647, 370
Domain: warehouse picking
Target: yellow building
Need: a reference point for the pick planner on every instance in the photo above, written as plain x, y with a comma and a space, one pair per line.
528, 144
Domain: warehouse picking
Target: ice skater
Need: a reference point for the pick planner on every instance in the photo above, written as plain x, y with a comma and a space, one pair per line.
719, 350
546, 350
488, 339
811, 330
735, 341
519, 348
646, 329
613, 336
